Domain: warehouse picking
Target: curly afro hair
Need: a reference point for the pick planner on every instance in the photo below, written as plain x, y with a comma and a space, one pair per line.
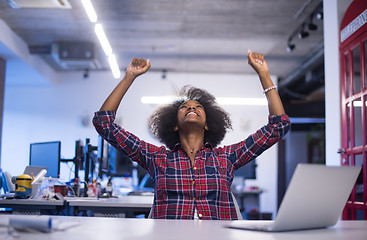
163, 120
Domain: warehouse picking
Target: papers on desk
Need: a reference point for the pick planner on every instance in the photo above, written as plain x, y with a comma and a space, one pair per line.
41, 223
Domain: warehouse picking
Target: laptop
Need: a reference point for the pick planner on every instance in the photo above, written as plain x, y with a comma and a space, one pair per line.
33, 170
315, 198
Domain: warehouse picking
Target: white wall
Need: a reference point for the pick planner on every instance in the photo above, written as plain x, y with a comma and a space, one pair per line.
56, 111
334, 11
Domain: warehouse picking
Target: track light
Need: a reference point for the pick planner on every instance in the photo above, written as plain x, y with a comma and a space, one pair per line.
311, 25
320, 15
303, 34
290, 46
308, 25
319, 12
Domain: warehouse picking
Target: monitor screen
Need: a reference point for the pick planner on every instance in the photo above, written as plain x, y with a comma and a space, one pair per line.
46, 154
119, 164
248, 171
102, 154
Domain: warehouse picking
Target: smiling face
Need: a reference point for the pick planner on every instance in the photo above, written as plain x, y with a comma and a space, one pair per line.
191, 112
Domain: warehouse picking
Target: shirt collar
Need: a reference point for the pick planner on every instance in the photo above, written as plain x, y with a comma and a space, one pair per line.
178, 146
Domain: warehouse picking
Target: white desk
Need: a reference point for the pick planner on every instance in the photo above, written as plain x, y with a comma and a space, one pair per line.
112, 207
124, 206
149, 229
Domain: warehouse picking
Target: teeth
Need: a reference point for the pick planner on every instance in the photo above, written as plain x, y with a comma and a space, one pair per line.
191, 113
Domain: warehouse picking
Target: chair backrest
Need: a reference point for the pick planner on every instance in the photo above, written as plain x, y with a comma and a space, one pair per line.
239, 214
7, 181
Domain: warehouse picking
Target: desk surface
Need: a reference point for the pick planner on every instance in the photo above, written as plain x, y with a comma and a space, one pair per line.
124, 201
41, 202
124, 206
119, 228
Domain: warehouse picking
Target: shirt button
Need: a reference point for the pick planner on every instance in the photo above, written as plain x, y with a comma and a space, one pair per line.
193, 182
195, 168
194, 199
200, 215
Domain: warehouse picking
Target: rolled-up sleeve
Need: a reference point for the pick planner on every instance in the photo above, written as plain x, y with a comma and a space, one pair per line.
103, 122
123, 140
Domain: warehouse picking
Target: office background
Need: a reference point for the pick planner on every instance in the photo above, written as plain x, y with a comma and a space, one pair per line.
41, 104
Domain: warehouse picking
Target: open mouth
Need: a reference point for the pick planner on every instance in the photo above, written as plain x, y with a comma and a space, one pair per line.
192, 113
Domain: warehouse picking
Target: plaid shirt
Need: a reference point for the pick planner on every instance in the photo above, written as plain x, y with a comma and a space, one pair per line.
180, 187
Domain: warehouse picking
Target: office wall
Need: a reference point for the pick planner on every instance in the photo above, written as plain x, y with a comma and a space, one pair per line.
63, 111
334, 11
2, 88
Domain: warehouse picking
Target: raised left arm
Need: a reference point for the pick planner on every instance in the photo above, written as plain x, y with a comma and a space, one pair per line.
258, 63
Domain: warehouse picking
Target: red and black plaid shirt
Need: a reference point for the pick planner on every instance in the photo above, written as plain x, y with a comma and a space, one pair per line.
179, 187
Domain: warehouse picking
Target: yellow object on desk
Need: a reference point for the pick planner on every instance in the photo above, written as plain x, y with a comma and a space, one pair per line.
23, 186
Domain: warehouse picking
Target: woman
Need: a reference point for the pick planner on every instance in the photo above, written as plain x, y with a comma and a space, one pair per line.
192, 177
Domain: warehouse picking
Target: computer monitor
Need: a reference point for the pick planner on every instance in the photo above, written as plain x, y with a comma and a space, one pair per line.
119, 163
46, 154
102, 153
248, 171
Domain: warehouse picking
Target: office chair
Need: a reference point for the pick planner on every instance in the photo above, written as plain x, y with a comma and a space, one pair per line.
146, 183
239, 214
7, 184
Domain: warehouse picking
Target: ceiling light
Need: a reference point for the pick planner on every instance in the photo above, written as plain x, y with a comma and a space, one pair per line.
303, 34
320, 15
290, 47
301, 31
114, 66
103, 39
312, 26
88, 7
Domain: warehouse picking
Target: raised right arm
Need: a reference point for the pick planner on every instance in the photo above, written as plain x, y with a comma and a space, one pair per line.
137, 67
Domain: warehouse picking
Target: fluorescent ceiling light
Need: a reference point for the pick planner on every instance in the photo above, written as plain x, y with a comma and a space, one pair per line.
88, 7
106, 46
221, 100
103, 39
114, 66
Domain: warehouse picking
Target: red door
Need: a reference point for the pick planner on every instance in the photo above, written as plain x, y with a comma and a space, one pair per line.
353, 60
